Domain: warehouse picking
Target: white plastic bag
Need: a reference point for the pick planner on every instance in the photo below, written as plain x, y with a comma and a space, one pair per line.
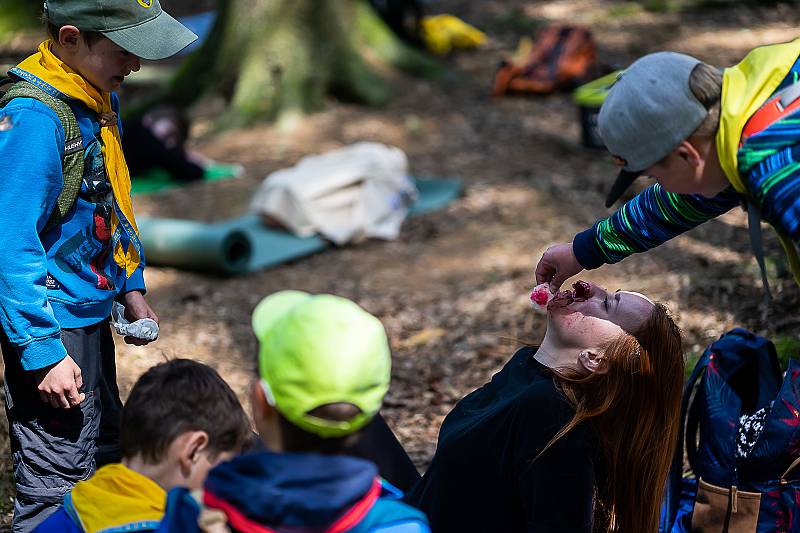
346, 195
144, 328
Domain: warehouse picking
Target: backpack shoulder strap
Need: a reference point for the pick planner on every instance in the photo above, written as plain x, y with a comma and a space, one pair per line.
72, 162
781, 104
687, 433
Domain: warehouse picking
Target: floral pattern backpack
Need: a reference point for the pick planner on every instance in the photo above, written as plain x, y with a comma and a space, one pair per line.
740, 432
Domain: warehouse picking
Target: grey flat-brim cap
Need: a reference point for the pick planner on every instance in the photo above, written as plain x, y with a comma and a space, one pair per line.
649, 110
139, 26
157, 38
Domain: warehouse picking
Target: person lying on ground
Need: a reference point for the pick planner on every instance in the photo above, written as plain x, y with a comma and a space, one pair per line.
157, 139
712, 139
324, 368
180, 420
572, 436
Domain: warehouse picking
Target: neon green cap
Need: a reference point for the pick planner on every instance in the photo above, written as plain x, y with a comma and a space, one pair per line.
317, 350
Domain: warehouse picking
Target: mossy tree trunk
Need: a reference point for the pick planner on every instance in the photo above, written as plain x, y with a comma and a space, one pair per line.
274, 59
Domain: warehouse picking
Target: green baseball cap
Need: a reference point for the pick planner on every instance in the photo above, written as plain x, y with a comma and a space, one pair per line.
139, 26
317, 350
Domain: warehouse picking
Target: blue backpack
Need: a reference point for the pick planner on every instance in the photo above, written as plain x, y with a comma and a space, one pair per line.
755, 489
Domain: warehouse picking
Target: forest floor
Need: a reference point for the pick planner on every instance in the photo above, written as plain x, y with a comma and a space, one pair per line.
453, 289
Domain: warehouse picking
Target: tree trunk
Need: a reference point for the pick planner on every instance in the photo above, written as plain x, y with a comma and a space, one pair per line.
275, 59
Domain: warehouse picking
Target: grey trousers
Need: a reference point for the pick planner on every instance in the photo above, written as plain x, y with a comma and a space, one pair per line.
55, 448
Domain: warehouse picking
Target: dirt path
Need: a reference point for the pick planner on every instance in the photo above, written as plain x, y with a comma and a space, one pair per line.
453, 289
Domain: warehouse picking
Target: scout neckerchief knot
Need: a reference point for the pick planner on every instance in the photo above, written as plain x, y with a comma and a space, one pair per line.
50, 69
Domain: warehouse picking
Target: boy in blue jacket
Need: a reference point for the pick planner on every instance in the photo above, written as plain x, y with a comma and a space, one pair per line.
70, 242
180, 420
324, 369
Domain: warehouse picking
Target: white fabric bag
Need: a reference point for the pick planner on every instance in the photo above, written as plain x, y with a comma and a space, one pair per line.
347, 195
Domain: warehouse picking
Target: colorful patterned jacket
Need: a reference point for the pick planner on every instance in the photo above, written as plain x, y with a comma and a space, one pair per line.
739, 374
768, 164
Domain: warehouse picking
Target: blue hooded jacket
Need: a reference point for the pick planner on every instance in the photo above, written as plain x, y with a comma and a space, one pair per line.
289, 492
67, 277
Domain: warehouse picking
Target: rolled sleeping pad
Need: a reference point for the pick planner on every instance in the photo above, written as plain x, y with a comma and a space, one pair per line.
195, 245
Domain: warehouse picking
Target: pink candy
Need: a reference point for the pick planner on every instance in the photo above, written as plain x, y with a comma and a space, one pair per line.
541, 295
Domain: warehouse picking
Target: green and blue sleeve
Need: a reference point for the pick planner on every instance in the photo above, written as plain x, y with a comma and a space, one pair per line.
649, 219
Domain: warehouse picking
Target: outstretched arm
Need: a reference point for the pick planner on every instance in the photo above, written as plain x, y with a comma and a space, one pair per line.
651, 218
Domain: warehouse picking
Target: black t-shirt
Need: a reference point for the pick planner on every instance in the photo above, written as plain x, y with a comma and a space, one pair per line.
484, 478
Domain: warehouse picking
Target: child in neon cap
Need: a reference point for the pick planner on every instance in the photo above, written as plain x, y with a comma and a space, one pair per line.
324, 368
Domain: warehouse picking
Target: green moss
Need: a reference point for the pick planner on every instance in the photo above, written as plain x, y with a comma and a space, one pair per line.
691, 361
625, 9
787, 346
662, 6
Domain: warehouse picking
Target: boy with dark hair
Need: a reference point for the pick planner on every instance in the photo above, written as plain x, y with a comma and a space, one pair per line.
180, 420
70, 241
324, 369
712, 139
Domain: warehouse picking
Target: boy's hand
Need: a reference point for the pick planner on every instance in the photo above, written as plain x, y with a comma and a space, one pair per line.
136, 308
59, 384
558, 264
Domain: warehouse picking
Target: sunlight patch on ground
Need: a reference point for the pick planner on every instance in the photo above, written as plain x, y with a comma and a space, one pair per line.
737, 39
713, 253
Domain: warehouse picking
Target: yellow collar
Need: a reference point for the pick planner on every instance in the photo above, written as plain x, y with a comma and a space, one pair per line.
745, 87
46, 66
117, 496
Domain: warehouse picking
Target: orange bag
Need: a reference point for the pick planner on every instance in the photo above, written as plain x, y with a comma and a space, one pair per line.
561, 57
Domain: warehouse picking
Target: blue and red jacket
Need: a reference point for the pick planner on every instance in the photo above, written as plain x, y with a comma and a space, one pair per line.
268, 492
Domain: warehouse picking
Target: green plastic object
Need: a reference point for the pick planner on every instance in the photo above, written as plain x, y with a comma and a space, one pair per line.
589, 98
593, 94
158, 179
317, 348
244, 244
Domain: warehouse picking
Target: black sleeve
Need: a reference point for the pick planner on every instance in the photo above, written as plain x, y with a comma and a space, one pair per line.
555, 489
144, 151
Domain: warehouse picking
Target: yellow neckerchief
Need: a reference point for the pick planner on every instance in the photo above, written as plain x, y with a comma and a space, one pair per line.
745, 88
51, 70
116, 496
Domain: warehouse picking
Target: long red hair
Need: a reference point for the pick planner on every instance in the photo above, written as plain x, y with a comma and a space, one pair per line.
634, 409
